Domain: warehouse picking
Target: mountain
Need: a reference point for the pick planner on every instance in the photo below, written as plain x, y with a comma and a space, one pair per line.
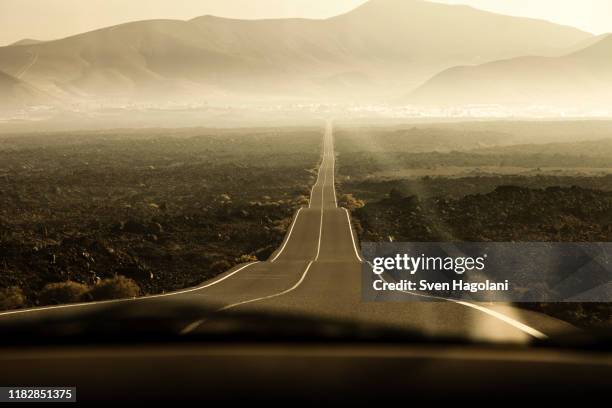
370, 52
424, 31
16, 94
580, 45
579, 79
26, 41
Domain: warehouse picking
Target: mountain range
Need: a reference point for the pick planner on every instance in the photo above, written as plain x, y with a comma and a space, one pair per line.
581, 78
377, 52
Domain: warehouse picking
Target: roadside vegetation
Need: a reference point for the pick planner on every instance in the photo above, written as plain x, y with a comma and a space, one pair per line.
104, 215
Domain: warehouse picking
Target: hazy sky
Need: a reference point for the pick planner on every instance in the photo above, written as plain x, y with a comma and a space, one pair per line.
49, 19
594, 16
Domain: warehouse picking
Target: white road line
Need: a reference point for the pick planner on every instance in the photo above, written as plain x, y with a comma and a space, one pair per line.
513, 322
288, 236
101, 302
500, 316
321, 222
507, 319
192, 326
323, 168
313, 188
348, 219
318, 177
284, 292
333, 158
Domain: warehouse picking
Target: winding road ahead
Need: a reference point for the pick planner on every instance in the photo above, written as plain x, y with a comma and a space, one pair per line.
317, 271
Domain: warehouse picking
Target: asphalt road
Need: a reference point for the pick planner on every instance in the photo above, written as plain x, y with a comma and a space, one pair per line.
317, 271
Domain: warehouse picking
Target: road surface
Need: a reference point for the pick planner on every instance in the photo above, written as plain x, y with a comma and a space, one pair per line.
317, 271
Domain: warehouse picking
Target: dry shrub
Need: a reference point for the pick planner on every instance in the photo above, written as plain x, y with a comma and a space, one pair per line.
62, 292
246, 259
118, 287
349, 202
220, 266
302, 200
11, 298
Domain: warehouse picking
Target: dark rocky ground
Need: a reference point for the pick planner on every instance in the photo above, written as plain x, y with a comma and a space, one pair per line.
562, 205
507, 214
165, 209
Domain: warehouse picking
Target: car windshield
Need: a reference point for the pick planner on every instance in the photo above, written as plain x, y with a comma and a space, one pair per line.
336, 176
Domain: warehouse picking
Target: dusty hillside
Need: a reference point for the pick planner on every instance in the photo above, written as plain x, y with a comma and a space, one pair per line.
581, 78
17, 94
365, 52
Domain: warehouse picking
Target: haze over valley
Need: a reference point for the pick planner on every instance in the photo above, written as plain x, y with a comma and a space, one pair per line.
583, 76
398, 57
